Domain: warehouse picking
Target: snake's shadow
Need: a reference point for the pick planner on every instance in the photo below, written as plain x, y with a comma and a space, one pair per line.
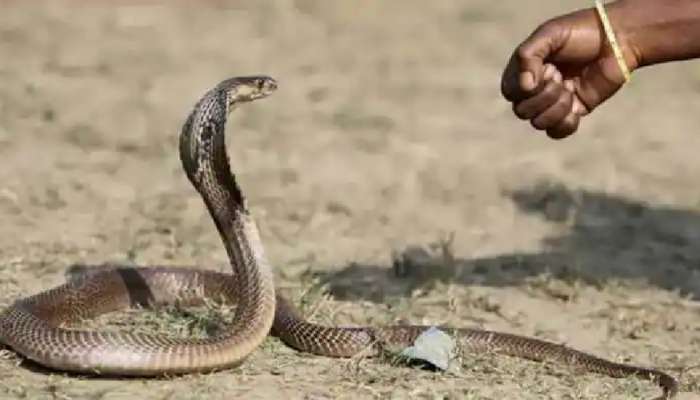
37, 368
605, 238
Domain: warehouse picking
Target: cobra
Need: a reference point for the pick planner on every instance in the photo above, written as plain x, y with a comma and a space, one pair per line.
33, 326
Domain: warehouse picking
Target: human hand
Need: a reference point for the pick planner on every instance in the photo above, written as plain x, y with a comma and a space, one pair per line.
563, 71
565, 68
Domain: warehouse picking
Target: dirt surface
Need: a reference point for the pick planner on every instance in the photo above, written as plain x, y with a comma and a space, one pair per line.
388, 131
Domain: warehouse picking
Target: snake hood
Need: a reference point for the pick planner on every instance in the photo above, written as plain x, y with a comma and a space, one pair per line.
209, 115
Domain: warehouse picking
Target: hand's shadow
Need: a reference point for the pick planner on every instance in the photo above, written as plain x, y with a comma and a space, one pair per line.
607, 238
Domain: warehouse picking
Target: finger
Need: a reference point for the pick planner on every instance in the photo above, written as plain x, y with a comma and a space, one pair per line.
553, 115
511, 89
578, 108
565, 128
552, 73
569, 85
530, 108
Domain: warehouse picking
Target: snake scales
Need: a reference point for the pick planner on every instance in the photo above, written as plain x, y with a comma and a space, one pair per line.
35, 326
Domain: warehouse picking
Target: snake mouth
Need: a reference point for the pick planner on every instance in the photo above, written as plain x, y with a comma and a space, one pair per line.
265, 87
269, 85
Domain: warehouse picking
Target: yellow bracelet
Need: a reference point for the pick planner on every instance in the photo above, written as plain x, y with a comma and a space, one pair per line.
613, 41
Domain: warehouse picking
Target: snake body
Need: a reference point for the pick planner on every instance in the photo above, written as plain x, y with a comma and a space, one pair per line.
36, 326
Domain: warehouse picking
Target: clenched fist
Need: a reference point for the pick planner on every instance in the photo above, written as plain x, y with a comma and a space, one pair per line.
566, 67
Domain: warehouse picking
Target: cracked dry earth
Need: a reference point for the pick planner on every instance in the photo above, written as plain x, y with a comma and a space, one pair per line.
388, 132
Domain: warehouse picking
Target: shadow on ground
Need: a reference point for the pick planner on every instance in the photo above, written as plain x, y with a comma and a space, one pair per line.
604, 238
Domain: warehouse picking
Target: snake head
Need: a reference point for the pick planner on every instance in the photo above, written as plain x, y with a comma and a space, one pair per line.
248, 88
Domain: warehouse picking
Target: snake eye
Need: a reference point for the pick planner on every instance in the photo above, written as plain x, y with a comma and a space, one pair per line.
260, 83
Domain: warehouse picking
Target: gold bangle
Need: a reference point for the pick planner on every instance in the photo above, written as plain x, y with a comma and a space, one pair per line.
613, 41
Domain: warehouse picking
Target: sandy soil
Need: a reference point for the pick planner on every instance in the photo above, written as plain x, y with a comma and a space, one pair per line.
388, 131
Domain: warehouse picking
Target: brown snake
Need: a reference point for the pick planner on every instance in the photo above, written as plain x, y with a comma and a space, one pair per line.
35, 326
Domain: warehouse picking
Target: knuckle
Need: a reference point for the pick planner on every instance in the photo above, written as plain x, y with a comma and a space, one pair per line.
548, 120
539, 123
565, 129
520, 111
553, 116
523, 52
507, 90
567, 98
563, 104
560, 132
552, 90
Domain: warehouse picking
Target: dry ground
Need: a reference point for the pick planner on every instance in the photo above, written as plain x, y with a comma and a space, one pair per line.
388, 131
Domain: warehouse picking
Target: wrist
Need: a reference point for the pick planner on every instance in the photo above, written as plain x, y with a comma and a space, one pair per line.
656, 31
627, 30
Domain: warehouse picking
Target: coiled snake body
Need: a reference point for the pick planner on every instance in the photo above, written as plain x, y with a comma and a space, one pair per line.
33, 326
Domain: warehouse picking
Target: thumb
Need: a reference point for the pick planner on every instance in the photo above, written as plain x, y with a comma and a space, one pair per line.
524, 74
534, 52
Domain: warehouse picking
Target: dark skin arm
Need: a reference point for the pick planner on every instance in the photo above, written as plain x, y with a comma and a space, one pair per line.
566, 68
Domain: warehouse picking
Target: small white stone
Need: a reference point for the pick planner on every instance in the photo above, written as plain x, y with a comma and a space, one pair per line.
433, 346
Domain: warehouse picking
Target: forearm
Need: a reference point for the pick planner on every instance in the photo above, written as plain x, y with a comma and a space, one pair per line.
658, 31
